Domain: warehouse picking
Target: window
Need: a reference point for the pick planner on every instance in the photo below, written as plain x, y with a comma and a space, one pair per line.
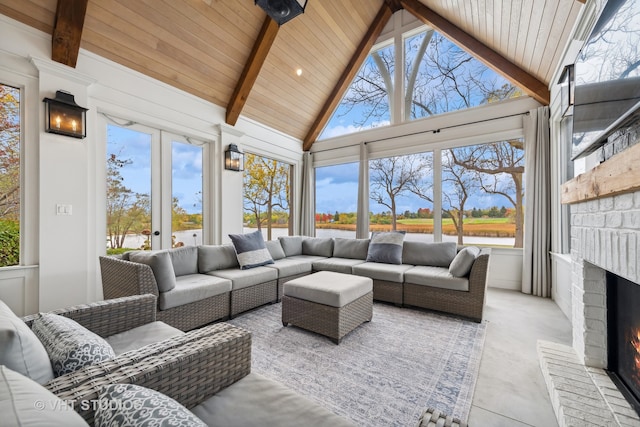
10, 135
152, 203
266, 196
401, 193
437, 76
337, 200
483, 194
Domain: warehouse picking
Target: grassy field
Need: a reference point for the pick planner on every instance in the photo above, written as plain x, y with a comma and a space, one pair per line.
482, 227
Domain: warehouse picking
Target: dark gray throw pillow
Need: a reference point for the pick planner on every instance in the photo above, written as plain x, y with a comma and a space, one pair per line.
251, 250
386, 247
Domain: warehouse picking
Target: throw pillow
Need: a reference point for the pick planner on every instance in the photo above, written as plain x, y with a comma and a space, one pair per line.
23, 402
251, 250
160, 263
20, 348
128, 404
386, 247
70, 345
462, 263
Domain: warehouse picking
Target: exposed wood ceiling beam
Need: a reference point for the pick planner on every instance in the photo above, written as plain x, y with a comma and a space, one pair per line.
348, 74
530, 84
258, 55
67, 31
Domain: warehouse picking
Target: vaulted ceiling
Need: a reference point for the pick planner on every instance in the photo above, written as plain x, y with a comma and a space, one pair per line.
230, 53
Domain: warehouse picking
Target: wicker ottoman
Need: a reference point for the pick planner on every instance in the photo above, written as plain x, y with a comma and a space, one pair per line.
328, 303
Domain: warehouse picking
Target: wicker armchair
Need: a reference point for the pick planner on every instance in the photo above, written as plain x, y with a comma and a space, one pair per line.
189, 368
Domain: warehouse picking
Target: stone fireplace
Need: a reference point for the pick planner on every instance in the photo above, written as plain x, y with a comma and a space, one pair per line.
605, 239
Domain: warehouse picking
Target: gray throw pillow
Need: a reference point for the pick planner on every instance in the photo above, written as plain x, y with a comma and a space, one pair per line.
23, 402
70, 345
251, 250
462, 263
386, 247
184, 260
20, 348
292, 245
160, 263
318, 247
350, 248
275, 249
431, 254
125, 404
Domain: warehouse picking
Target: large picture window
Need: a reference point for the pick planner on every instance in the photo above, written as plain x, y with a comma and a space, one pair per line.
266, 196
337, 200
10, 128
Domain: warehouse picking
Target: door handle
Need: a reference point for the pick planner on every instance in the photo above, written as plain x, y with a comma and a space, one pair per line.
156, 233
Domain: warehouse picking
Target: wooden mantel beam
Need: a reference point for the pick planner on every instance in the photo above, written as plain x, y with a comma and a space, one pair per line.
348, 74
252, 68
530, 84
67, 31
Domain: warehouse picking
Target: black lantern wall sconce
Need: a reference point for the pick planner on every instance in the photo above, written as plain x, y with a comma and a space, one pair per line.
64, 117
233, 159
282, 11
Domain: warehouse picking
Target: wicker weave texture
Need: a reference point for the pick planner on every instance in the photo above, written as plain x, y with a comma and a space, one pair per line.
193, 315
253, 296
122, 278
283, 280
110, 317
387, 291
190, 373
332, 322
468, 304
434, 418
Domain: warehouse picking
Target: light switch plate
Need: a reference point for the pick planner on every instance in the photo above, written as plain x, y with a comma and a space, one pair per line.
63, 209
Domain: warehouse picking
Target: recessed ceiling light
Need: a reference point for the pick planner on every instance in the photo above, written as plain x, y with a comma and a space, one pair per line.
299, 72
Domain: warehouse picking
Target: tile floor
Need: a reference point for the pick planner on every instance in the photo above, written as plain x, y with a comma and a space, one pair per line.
510, 391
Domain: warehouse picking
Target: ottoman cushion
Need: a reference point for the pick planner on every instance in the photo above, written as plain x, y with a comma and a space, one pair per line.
329, 288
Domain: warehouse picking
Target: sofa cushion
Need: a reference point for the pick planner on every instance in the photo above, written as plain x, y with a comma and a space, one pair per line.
433, 254
291, 267
462, 263
251, 250
70, 346
184, 260
23, 402
20, 348
292, 245
437, 277
192, 288
160, 263
350, 248
275, 249
386, 247
216, 257
254, 399
386, 272
136, 338
130, 404
318, 247
245, 278
339, 265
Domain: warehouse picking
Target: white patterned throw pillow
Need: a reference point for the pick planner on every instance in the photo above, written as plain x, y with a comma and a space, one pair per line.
70, 345
133, 405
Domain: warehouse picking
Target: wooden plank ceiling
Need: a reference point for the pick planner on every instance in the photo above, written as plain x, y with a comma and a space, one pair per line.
214, 50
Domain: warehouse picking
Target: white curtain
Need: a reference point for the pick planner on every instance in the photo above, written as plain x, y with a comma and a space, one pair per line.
307, 207
537, 228
362, 227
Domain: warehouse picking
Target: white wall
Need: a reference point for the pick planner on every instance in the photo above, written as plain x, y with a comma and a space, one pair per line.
60, 253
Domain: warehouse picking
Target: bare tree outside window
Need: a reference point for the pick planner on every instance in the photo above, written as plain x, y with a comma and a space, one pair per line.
9, 175
267, 185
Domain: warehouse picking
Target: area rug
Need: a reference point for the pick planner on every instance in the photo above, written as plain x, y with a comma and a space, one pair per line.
384, 373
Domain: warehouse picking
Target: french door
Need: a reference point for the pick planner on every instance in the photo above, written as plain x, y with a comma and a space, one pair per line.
154, 188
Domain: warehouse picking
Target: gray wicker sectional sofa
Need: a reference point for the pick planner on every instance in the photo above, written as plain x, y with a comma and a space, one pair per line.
206, 284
